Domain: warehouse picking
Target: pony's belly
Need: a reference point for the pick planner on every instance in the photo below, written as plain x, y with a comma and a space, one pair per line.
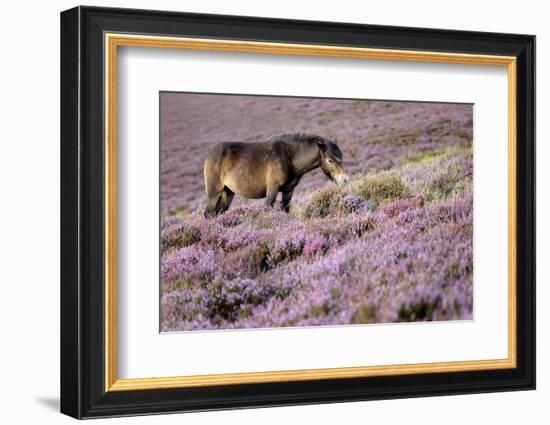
247, 189
249, 193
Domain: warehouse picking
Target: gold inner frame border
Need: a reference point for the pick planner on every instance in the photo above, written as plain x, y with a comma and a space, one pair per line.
113, 40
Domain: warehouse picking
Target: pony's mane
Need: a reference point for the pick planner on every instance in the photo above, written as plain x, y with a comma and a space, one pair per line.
304, 138
308, 139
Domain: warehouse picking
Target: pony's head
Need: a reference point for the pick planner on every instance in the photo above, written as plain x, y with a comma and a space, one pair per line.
331, 161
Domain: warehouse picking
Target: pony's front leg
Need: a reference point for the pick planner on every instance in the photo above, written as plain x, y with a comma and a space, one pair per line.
271, 195
287, 197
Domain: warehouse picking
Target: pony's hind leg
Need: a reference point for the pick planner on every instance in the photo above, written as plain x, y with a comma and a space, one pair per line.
212, 204
226, 198
271, 195
214, 191
214, 187
219, 203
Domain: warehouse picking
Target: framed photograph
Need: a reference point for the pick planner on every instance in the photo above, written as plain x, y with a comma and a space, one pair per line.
261, 212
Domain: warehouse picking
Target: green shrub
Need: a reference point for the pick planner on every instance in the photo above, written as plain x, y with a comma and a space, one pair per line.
381, 188
334, 201
322, 202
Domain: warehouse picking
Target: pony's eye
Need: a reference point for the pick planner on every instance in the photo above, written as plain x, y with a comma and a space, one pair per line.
330, 161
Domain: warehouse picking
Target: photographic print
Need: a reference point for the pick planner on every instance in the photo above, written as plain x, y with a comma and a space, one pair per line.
321, 222
299, 211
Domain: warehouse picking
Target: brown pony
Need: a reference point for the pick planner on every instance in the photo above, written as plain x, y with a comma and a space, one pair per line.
263, 169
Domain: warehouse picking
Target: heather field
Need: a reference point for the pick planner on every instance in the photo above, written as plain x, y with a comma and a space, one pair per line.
394, 245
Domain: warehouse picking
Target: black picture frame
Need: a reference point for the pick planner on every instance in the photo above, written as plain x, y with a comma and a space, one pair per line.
83, 392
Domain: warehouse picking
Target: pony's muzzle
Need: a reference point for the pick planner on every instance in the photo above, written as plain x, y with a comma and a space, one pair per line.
342, 180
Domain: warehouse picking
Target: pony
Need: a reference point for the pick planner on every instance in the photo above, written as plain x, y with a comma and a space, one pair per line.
256, 170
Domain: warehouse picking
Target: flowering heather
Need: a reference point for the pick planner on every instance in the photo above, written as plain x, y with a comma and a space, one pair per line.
407, 259
395, 245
